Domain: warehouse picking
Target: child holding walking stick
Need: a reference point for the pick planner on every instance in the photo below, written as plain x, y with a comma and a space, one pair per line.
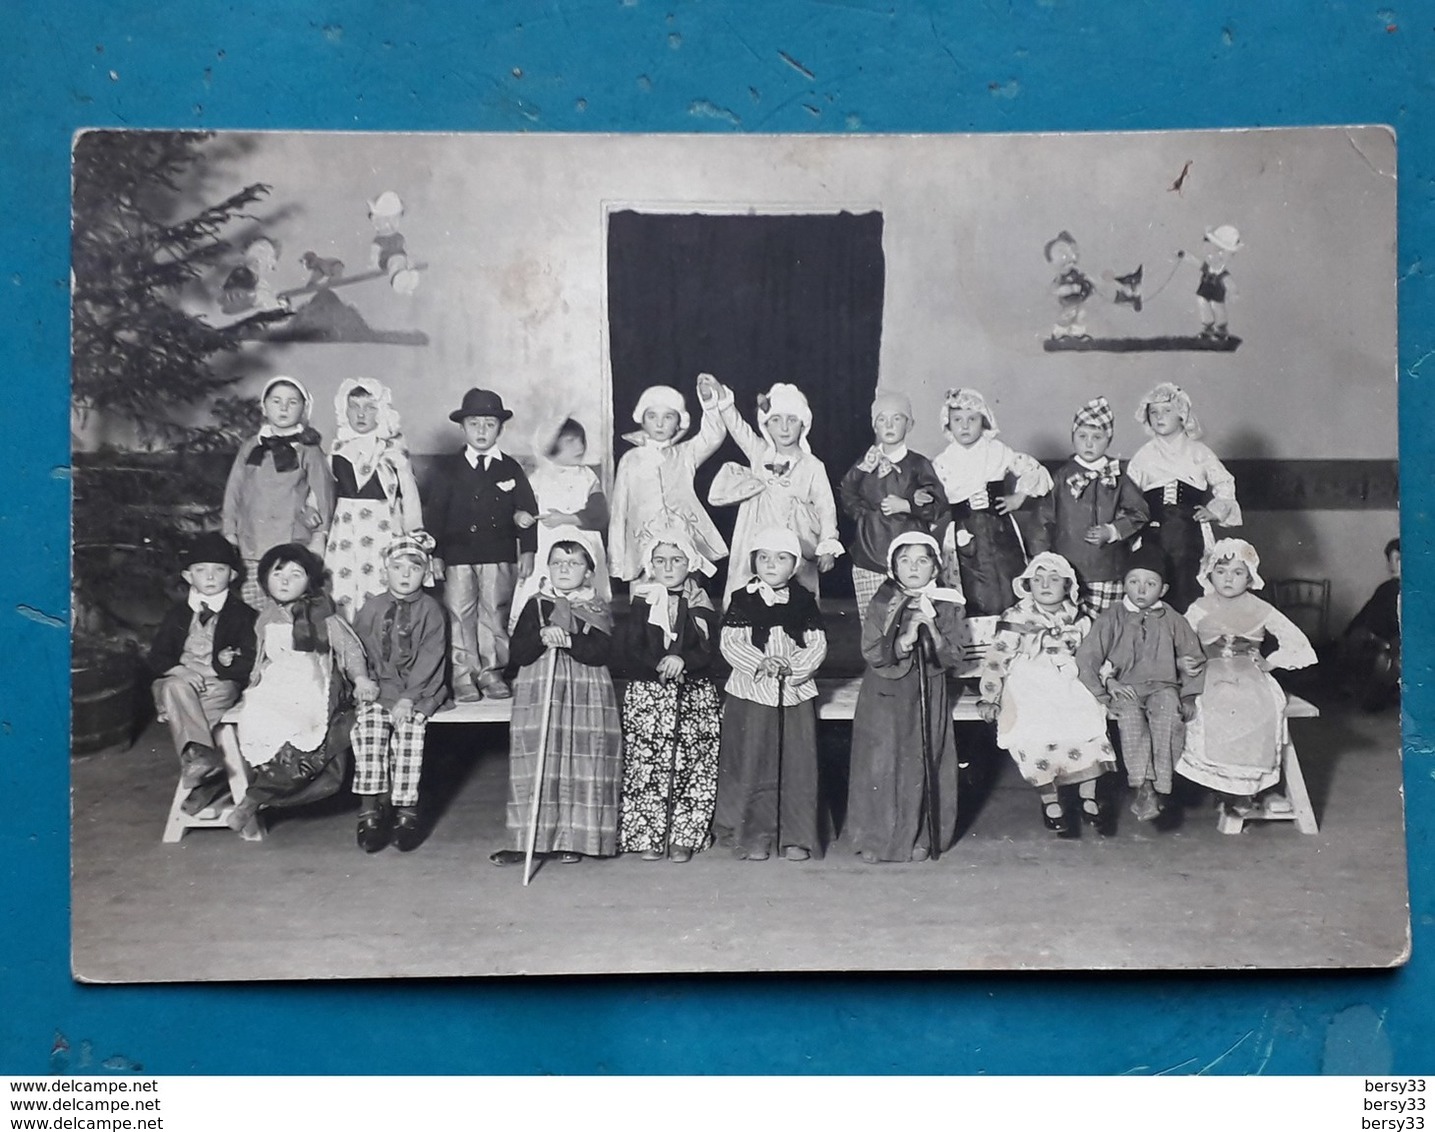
773, 636
565, 767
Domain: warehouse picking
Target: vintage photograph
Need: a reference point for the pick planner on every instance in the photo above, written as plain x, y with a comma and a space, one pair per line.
547, 554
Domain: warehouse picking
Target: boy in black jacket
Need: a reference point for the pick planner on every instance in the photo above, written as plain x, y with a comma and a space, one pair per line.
480, 510
202, 656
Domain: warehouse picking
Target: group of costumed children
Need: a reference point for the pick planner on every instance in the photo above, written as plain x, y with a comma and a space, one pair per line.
309, 611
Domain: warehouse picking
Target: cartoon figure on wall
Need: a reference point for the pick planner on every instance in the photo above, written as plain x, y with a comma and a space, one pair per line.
1074, 288
388, 254
248, 287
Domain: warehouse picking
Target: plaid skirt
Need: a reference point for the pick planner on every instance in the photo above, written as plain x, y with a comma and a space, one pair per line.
583, 768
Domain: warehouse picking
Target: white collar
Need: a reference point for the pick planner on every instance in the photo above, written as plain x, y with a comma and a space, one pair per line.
215, 603
488, 456
1131, 607
1097, 465
897, 455
769, 595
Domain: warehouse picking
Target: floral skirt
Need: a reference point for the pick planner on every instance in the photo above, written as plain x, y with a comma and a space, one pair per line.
361, 529
671, 734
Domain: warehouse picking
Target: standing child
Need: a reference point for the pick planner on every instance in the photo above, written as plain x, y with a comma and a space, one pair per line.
901, 780
1235, 741
294, 720
773, 637
567, 627
1047, 720
786, 487
201, 657
1155, 663
671, 711
980, 541
568, 496
405, 636
377, 498
481, 514
1186, 488
653, 486
1094, 510
279, 490
890, 491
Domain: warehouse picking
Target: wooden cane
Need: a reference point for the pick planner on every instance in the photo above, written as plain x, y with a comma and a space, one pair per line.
548, 678
673, 763
929, 785
781, 718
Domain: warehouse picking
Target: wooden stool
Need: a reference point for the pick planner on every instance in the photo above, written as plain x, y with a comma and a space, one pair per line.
1295, 804
178, 821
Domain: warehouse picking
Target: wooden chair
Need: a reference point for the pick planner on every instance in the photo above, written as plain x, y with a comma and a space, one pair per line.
178, 822
1306, 601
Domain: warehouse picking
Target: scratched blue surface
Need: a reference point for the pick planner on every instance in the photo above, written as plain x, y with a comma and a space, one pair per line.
836, 66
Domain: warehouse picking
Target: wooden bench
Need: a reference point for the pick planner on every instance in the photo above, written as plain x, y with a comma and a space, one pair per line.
836, 700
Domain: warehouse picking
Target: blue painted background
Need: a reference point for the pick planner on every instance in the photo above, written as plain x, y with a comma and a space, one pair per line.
774, 66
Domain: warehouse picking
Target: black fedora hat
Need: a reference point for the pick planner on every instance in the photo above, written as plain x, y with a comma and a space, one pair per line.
480, 403
211, 546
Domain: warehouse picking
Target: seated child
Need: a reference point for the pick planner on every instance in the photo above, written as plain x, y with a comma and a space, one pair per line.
295, 717
653, 486
1047, 719
903, 785
1186, 488
671, 712
568, 495
1235, 741
202, 655
1370, 648
405, 637
773, 637
562, 643
481, 513
981, 545
786, 486
891, 491
1155, 663
279, 489
376, 495
1093, 512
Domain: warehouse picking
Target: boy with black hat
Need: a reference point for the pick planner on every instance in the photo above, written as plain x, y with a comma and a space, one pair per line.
480, 510
1143, 661
202, 655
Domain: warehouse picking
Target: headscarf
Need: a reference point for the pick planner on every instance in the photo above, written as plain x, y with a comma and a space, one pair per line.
775, 540
1234, 550
661, 397
582, 604
660, 600
1169, 391
875, 459
365, 450
1096, 413
967, 399
784, 398
931, 592
281, 445
419, 546
545, 436
1047, 560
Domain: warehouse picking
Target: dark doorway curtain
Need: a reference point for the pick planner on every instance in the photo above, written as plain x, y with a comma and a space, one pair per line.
752, 300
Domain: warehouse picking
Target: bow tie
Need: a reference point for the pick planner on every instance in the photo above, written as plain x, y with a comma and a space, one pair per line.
283, 449
779, 469
206, 614
877, 461
1107, 472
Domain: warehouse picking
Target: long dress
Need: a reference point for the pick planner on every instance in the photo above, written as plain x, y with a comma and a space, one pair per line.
1048, 721
1234, 743
573, 491
791, 492
295, 716
887, 801
583, 769
653, 487
377, 498
982, 550
671, 729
